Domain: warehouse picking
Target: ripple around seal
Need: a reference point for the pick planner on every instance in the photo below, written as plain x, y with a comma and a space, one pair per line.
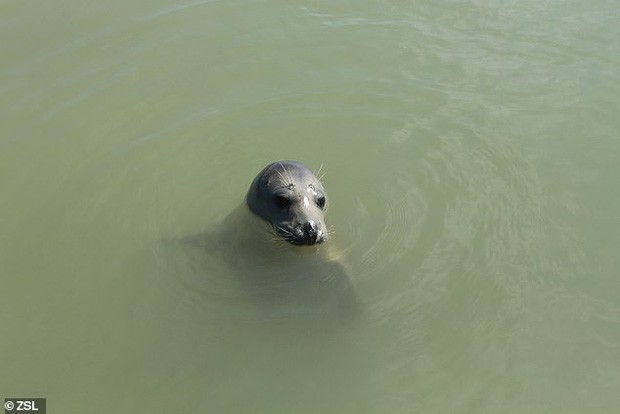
459, 210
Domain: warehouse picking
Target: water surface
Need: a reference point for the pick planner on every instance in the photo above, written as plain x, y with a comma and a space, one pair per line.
471, 159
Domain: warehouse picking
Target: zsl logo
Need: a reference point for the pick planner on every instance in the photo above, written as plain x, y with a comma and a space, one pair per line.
33, 405
26, 406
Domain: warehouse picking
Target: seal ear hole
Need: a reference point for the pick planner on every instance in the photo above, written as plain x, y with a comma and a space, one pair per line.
281, 201
321, 202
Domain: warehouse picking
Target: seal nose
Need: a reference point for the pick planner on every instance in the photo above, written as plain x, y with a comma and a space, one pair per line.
311, 231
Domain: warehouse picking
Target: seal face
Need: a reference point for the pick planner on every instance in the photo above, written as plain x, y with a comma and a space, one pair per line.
287, 195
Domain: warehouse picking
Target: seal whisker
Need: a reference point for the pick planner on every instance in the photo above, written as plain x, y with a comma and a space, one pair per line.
268, 230
320, 173
282, 178
278, 241
283, 230
284, 234
288, 174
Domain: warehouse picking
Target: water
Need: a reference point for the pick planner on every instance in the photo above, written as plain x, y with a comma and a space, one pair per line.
470, 151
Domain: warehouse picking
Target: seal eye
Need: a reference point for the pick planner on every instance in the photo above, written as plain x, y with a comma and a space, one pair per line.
321, 202
281, 201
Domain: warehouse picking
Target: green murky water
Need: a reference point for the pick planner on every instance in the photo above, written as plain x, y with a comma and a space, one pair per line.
471, 156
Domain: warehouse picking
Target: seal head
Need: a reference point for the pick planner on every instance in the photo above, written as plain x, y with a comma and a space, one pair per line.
287, 195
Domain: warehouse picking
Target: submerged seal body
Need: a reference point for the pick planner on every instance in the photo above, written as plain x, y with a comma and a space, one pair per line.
275, 245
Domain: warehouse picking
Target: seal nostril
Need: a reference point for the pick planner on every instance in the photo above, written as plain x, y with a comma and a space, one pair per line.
310, 227
311, 231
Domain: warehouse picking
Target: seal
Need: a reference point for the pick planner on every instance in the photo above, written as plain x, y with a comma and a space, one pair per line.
287, 195
275, 244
